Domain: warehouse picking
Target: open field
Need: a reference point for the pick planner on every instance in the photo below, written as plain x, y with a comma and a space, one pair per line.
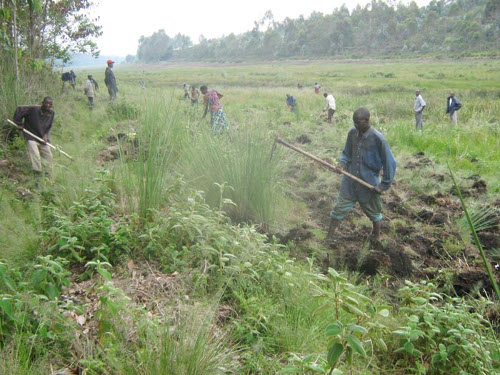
171, 250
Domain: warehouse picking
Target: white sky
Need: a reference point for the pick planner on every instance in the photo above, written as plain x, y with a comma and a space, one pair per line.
124, 21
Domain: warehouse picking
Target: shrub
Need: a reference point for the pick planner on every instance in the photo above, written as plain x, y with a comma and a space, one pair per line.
443, 335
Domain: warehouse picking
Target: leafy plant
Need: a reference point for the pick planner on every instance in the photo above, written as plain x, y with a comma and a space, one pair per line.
50, 276
442, 335
86, 231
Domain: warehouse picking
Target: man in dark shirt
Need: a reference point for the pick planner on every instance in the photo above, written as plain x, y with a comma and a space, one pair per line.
37, 120
452, 106
365, 154
110, 80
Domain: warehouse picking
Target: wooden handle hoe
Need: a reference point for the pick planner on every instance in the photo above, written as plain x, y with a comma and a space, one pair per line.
40, 139
322, 162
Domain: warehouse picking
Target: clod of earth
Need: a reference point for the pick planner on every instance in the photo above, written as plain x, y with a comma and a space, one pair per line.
296, 235
303, 139
469, 281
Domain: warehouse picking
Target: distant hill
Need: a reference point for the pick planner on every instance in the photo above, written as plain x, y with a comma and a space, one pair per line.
87, 60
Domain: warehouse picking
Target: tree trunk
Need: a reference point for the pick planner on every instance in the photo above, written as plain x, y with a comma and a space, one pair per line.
16, 66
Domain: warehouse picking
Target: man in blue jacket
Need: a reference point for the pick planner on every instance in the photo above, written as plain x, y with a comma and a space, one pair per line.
291, 102
452, 106
365, 154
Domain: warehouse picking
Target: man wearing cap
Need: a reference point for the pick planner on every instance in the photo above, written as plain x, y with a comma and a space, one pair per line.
110, 81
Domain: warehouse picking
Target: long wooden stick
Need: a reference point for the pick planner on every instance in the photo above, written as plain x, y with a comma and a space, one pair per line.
40, 139
322, 162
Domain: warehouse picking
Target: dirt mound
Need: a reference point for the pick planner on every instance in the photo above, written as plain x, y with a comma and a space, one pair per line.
296, 235
303, 139
471, 281
10, 170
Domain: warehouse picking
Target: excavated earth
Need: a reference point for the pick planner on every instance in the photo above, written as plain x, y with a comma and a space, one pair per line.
417, 232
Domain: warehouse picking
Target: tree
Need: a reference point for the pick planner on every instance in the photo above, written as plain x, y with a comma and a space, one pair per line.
157, 47
50, 29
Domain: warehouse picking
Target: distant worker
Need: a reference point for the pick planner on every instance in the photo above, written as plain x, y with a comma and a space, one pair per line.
418, 108
299, 86
317, 86
365, 154
90, 90
110, 81
291, 102
452, 106
143, 84
37, 120
218, 119
69, 77
195, 94
330, 106
186, 91
72, 80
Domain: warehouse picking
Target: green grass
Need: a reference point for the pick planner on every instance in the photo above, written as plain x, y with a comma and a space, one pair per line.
223, 262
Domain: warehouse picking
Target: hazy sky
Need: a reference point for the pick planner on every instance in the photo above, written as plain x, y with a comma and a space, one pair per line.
124, 21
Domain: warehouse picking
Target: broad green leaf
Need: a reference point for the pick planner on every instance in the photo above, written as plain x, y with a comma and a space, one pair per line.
316, 368
381, 343
308, 358
333, 330
356, 328
104, 273
9, 283
384, 313
401, 332
6, 306
352, 300
52, 291
435, 358
334, 353
39, 276
352, 309
356, 345
415, 334
409, 347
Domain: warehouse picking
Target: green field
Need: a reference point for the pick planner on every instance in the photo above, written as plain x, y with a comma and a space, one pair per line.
165, 249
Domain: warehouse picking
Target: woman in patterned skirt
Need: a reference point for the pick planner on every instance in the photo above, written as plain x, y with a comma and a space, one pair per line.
212, 100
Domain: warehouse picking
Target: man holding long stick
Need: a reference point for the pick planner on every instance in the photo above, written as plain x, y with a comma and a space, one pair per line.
37, 120
365, 154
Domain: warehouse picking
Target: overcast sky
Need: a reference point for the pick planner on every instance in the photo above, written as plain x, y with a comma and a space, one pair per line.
124, 21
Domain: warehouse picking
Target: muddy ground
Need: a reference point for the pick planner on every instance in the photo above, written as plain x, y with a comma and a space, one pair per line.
420, 235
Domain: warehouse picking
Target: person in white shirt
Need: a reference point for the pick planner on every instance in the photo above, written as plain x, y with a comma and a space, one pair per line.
90, 90
418, 108
330, 106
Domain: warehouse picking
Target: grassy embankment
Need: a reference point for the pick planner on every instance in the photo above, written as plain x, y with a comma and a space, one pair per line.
138, 207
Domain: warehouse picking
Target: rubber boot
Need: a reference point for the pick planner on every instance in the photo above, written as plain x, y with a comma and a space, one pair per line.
375, 236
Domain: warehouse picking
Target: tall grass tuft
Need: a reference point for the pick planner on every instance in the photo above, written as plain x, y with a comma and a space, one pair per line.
19, 229
189, 347
161, 135
241, 167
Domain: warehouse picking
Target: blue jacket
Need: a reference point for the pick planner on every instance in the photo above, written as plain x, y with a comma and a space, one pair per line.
365, 157
455, 105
